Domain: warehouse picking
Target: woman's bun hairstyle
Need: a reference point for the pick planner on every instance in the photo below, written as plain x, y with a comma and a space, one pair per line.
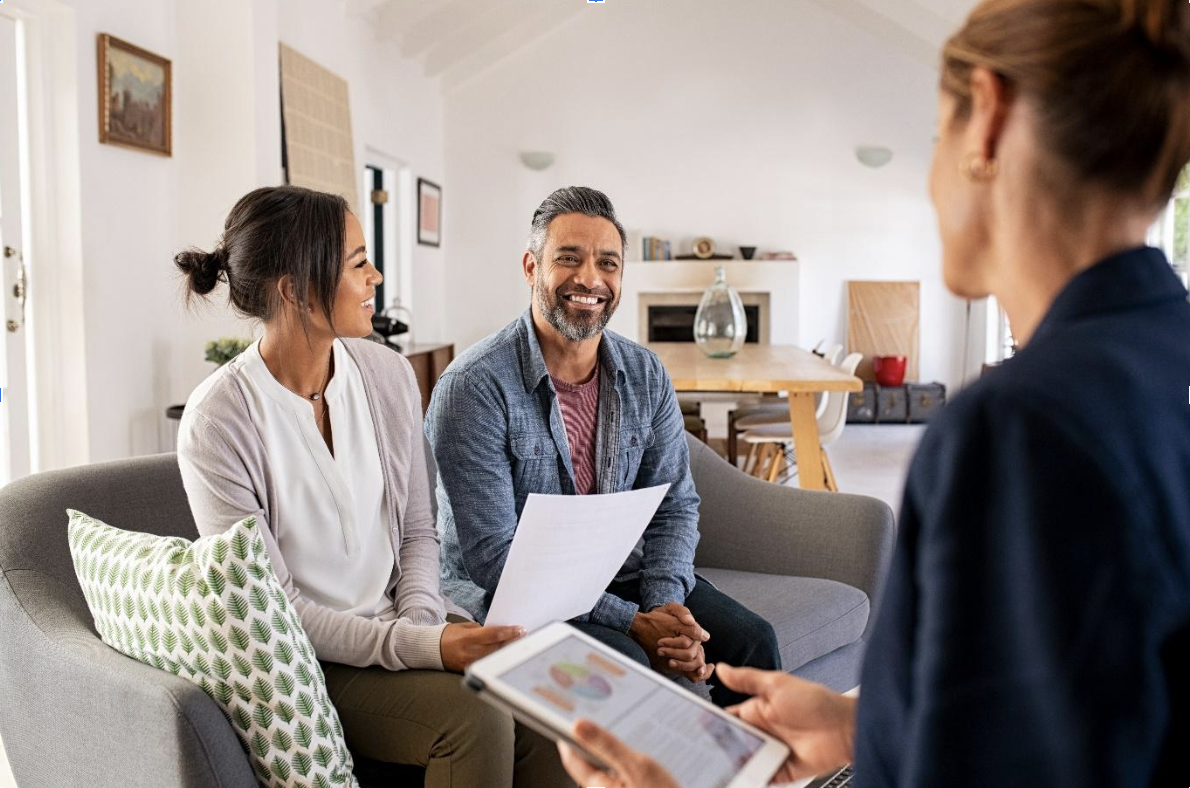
1108, 81
202, 269
271, 233
1164, 24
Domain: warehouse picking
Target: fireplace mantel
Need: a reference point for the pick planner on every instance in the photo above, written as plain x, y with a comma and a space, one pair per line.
776, 278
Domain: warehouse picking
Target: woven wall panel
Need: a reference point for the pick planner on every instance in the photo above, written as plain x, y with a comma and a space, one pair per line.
320, 152
883, 320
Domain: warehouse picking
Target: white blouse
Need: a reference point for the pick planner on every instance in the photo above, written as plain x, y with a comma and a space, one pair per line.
335, 542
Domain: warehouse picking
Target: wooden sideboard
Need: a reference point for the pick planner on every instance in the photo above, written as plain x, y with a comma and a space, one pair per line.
428, 361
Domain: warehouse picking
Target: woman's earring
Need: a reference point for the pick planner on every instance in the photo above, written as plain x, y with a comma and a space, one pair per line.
979, 169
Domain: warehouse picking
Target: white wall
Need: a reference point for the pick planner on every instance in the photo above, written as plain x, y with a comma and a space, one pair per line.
128, 230
394, 110
737, 121
143, 350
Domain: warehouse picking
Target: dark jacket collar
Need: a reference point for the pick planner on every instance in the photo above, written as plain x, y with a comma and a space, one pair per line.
1127, 280
533, 369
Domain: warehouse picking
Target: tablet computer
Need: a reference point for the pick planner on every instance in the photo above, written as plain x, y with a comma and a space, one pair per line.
557, 674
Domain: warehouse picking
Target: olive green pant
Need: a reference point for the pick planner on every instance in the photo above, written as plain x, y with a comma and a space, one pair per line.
426, 717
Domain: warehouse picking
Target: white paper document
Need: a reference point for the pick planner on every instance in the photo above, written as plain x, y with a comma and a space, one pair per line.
566, 551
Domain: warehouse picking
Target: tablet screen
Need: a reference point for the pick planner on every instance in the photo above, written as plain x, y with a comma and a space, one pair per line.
698, 747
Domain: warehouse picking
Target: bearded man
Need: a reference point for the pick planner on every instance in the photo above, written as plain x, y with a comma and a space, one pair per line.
554, 403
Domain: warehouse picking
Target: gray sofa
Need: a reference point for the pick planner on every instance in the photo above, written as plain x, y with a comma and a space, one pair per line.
74, 712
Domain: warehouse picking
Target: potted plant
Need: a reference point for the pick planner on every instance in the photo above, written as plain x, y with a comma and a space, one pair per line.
221, 351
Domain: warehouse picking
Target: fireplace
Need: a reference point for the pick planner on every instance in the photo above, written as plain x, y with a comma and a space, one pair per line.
676, 323
669, 317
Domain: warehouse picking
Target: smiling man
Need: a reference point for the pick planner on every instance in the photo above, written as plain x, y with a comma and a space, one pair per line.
554, 403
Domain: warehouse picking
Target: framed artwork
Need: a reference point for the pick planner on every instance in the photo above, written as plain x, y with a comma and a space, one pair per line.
429, 212
135, 107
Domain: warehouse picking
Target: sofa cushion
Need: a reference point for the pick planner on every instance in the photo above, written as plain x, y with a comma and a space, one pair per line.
213, 612
811, 616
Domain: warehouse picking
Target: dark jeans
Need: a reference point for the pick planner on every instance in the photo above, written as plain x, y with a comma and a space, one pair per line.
739, 637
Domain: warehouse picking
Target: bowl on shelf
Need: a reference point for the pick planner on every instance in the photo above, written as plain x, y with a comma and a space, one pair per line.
746, 252
889, 370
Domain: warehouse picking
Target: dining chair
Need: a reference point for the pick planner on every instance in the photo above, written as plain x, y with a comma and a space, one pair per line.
770, 445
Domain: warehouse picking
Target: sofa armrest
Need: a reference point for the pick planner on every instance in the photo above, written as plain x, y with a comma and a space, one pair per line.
77, 712
751, 525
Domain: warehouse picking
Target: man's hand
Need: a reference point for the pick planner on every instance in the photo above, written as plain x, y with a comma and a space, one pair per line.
671, 622
816, 723
685, 657
464, 643
630, 769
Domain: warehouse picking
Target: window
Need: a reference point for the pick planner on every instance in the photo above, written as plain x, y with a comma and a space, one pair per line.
1171, 233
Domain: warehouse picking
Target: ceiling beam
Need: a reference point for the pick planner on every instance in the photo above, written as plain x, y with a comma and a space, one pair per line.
397, 16
544, 22
519, 15
445, 21
911, 43
918, 18
354, 8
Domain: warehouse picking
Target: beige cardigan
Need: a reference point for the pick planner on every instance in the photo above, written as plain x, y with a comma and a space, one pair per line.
227, 476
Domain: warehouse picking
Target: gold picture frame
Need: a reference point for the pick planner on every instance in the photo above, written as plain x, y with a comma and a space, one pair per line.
135, 97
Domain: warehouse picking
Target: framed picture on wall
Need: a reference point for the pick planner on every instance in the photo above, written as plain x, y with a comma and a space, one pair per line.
134, 97
429, 212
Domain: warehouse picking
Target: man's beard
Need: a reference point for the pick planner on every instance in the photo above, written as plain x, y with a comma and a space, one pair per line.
574, 325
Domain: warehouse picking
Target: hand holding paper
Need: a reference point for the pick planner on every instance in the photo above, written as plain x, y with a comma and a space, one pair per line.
566, 551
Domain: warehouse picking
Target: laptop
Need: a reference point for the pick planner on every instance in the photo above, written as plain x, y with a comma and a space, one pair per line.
834, 779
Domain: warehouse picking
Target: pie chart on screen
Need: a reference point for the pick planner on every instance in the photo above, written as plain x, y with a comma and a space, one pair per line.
580, 681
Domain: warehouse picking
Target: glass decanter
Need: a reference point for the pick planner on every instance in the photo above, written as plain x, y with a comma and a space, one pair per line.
720, 324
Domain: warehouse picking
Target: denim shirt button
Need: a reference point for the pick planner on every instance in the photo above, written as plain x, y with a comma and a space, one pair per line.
634, 440
537, 450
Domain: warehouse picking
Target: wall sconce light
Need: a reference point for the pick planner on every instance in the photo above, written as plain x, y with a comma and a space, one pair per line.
537, 159
873, 156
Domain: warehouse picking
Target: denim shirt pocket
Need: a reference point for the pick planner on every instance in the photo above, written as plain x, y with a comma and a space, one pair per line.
535, 465
633, 442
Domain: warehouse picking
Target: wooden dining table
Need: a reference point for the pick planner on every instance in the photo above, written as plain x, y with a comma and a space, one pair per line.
765, 369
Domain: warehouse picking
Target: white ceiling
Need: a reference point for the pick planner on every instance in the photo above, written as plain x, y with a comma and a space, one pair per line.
457, 39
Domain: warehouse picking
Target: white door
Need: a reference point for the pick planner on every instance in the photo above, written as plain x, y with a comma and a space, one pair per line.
14, 379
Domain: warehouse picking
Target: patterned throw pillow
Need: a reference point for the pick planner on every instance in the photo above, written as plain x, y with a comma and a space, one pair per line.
213, 612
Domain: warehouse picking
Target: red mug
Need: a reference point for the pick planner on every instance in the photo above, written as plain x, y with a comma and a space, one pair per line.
889, 370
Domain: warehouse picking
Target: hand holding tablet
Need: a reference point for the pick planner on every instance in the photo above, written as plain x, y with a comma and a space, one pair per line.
556, 676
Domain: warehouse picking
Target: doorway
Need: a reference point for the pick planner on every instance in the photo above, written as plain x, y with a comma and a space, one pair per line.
43, 393
15, 437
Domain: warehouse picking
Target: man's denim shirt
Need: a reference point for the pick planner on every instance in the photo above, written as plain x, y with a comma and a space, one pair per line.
497, 435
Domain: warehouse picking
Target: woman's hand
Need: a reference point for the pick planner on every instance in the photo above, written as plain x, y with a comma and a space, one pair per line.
464, 643
631, 769
816, 723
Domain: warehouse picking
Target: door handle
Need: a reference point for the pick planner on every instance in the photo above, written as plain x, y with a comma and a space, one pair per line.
20, 289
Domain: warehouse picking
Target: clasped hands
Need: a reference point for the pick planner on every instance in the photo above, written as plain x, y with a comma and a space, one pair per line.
673, 640
668, 634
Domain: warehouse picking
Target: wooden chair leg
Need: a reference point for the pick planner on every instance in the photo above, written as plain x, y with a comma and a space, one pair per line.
778, 464
762, 461
750, 459
761, 451
829, 473
732, 439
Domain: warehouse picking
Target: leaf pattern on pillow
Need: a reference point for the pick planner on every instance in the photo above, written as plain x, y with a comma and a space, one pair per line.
212, 611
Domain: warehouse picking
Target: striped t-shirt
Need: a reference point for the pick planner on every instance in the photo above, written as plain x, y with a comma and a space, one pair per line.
580, 413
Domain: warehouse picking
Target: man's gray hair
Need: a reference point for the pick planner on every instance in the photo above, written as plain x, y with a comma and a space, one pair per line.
572, 199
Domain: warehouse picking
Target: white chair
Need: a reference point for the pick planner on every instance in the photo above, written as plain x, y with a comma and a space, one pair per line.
773, 408
752, 416
770, 444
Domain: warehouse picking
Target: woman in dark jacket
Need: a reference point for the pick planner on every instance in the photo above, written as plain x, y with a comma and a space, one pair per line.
1035, 627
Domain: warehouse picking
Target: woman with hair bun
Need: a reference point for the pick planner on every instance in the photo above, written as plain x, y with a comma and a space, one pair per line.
1035, 625
318, 434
